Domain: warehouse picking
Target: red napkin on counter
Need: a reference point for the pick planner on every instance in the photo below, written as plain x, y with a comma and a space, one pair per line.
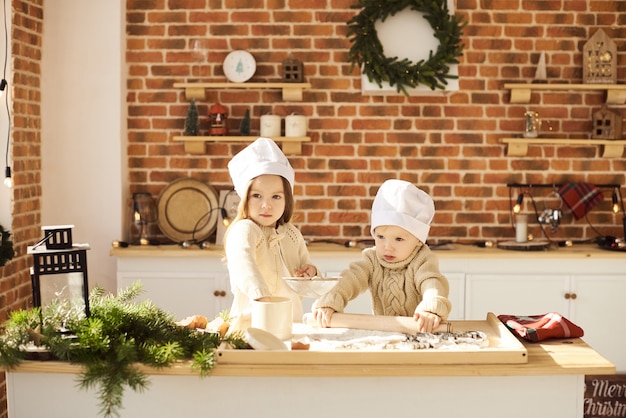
580, 197
542, 327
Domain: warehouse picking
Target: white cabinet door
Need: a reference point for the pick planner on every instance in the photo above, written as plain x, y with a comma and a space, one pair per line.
598, 309
183, 294
523, 294
456, 295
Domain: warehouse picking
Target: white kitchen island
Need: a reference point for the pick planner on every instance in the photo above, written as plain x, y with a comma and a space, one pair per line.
583, 283
550, 384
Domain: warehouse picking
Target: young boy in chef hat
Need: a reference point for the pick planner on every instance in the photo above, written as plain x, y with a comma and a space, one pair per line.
401, 272
261, 244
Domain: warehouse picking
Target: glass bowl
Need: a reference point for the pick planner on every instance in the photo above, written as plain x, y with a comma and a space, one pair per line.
311, 287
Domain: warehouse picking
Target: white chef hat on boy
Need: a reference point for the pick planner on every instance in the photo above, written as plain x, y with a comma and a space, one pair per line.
402, 204
260, 157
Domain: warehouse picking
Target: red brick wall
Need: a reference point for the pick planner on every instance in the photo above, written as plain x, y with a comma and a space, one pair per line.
24, 86
448, 145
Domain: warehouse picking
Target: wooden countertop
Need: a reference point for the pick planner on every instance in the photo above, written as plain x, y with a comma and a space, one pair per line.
553, 357
324, 249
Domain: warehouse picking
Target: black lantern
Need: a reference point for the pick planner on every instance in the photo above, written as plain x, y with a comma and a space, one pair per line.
59, 273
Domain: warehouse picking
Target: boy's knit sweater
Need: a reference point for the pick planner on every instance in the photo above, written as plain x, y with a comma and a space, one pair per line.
397, 288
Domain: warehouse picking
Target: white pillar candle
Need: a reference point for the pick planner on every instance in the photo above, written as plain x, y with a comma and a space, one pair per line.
521, 228
295, 125
270, 126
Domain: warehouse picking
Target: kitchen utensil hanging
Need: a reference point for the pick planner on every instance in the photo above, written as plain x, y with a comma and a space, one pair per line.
552, 216
187, 210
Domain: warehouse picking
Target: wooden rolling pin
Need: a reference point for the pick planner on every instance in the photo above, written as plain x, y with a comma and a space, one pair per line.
404, 324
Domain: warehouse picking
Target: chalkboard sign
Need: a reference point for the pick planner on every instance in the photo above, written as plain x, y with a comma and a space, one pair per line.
605, 396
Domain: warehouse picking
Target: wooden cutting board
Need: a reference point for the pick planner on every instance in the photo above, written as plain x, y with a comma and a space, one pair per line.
504, 348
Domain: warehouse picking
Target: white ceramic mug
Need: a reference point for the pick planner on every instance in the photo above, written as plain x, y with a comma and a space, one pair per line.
274, 316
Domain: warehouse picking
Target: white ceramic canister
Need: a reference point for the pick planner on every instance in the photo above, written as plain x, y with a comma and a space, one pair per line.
295, 125
270, 126
274, 316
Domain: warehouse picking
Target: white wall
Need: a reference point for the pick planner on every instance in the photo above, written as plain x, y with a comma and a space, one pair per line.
6, 205
84, 170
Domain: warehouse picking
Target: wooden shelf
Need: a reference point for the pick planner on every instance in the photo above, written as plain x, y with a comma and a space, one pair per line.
615, 93
292, 92
196, 144
517, 147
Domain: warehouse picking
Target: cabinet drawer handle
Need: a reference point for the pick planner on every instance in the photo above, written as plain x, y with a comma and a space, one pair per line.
218, 293
570, 296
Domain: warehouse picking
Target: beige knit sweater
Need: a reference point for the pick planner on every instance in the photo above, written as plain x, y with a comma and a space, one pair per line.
255, 265
397, 288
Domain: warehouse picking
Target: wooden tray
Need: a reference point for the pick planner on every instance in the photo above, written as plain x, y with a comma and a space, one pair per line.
504, 348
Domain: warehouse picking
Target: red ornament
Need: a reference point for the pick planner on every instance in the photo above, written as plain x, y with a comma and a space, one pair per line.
217, 120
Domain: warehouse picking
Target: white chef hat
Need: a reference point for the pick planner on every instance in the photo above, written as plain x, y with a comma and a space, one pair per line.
260, 157
400, 203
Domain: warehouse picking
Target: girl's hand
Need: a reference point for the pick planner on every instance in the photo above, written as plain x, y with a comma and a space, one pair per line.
323, 316
426, 321
306, 270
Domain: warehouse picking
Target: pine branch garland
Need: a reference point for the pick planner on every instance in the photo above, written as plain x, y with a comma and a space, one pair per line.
118, 334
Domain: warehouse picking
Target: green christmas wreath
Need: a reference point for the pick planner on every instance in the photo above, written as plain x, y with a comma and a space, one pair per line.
367, 51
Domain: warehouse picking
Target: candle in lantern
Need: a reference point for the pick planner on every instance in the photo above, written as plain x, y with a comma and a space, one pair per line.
295, 125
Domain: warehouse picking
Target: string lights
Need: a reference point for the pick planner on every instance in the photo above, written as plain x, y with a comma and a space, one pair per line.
518, 203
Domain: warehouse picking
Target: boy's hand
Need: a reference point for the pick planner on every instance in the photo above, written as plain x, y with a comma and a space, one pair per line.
323, 316
426, 321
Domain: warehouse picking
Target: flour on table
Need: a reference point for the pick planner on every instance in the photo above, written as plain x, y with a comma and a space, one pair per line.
333, 339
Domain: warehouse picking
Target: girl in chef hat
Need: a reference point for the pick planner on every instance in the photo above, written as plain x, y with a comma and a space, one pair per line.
401, 272
261, 244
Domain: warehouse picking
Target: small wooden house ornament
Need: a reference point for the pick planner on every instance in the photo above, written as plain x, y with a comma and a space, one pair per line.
292, 70
606, 124
600, 60
217, 120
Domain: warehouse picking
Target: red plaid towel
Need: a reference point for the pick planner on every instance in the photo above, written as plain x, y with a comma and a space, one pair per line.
580, 197
542, 327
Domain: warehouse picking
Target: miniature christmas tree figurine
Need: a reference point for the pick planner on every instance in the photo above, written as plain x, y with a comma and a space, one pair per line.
540, 74
244, 128
191, 122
